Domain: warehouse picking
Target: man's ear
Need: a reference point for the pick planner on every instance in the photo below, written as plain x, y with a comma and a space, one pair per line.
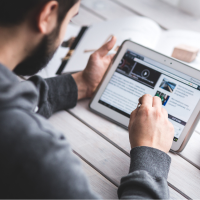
47, 18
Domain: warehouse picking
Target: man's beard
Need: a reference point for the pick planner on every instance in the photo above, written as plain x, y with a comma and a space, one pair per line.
40, 57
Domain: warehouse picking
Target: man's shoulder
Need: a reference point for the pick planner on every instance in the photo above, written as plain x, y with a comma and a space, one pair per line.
36, 161
23, 126
28, 137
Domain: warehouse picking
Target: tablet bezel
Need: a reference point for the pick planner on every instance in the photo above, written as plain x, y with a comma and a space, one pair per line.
167, 61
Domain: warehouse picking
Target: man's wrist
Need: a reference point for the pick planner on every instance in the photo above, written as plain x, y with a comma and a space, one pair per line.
83, 88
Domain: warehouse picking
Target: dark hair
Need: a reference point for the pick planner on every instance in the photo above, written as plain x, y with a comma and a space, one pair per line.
14, 12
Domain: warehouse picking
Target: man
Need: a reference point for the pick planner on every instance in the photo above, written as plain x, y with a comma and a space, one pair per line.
36, 160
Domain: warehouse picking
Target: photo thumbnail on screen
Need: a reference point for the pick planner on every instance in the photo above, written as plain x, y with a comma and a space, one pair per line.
164, 97
167, 85
145, 75
137, 71
127, 62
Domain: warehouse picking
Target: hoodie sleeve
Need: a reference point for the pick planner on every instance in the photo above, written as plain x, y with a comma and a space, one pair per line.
55, 94
147, 177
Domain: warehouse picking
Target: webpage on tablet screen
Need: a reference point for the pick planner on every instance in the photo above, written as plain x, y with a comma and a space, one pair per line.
137, 75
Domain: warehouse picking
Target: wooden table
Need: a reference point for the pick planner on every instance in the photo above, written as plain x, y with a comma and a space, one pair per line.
102, 146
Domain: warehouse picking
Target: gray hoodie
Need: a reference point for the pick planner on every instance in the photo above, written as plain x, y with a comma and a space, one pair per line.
36, 160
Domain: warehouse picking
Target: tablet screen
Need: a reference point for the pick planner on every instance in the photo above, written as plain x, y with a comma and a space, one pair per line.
137, 75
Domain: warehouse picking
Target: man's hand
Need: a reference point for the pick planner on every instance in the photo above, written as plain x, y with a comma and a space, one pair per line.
88, 80
149, 125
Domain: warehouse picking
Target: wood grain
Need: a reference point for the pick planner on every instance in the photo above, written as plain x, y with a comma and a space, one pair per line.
106, 189
92, 147
180, 169
110, 10
100, 184
175, 195
198, 128
87, 18
101, 154
192, 150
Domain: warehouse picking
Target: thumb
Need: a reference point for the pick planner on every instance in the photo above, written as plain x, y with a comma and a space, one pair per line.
103, 51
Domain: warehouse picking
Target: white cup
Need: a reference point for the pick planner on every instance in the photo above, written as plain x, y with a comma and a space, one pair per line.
192, 7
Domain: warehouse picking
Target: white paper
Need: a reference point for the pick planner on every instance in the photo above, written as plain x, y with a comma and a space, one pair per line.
138, 29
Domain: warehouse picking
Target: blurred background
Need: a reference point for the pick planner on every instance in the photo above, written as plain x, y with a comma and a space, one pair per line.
168, 13
178, 20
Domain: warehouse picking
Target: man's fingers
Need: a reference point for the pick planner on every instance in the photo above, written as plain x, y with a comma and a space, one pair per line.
103, 51
157, 103
146, 100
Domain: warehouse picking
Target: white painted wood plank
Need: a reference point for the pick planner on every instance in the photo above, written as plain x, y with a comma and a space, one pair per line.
85, 18
110, 10
192, 150
92, 147
174, 194
96, 150
198, 128
182, 174
107, 9
164, 14
100, 184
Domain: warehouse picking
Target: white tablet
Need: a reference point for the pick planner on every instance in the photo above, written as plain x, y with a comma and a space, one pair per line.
137, 70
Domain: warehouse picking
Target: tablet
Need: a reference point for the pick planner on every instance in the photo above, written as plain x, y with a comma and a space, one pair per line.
137, 70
